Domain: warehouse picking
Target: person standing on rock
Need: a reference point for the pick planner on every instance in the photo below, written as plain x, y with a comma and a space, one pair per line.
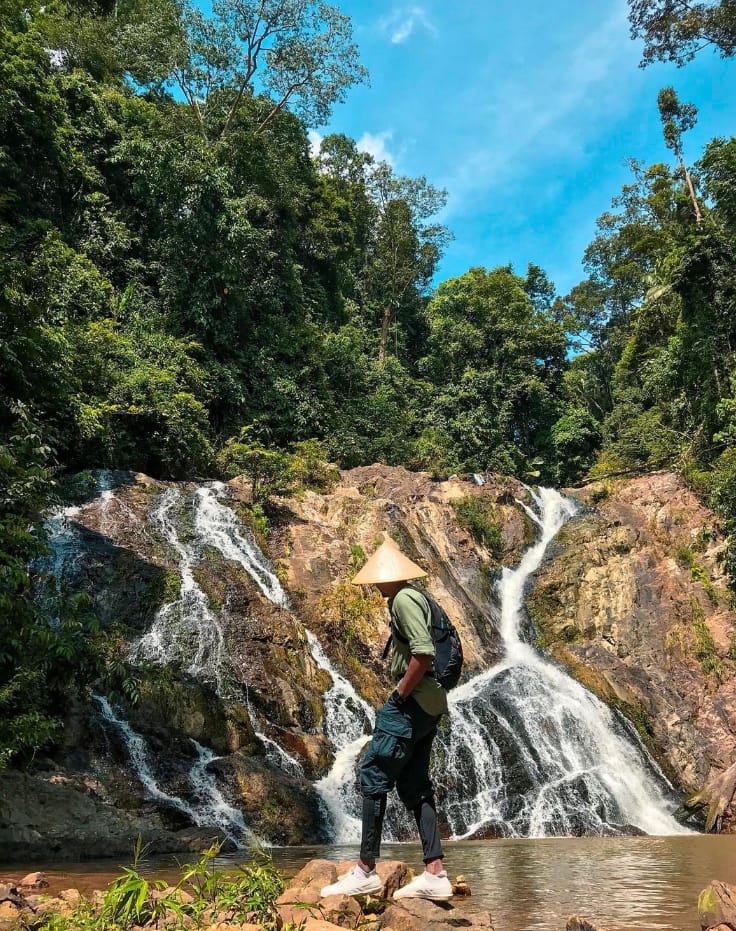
401, 746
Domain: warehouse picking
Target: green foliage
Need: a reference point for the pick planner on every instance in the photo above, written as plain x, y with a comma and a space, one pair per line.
705, 648
678, 31
246, 894
495, 359
268, 470
46, 656
310, 468
576, 438
478, 516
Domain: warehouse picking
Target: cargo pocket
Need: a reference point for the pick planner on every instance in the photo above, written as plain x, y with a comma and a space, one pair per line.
391, 736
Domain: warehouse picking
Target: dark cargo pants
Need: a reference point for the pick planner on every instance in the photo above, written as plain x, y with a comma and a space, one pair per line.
398, 755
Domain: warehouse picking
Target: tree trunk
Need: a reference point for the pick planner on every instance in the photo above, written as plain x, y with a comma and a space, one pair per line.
387, 313
691, 190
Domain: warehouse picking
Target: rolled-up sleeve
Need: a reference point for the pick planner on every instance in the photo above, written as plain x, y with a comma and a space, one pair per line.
411, 619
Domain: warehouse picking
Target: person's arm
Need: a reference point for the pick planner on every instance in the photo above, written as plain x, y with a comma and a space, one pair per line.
418, 665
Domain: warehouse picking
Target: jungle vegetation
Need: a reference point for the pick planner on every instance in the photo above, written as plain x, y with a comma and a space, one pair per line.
188, 290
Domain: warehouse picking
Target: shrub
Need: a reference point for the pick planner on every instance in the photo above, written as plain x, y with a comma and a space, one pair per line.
310, 468
270, 471
478, 517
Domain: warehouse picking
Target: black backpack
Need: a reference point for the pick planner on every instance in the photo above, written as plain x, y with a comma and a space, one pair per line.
448, 657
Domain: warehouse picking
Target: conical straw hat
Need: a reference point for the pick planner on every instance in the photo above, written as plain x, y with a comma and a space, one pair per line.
388, 564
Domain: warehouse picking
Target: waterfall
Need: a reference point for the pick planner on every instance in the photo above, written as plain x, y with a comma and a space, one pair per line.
348, 717
528, 751
533, 753
186, 629
219, 527
211, 808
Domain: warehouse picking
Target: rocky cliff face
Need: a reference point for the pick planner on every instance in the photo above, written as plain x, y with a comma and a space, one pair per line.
255, 697
632, 600
635, 604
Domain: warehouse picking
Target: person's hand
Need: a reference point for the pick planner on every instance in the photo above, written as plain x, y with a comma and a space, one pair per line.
396, 698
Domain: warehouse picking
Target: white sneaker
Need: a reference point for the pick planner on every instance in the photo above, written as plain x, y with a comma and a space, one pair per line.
356, 882
427, 886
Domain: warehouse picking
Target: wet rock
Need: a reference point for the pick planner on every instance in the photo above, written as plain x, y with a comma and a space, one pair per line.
461, 888
54, 818
33, 881
717, 906
576, 923
278, 806
424, 915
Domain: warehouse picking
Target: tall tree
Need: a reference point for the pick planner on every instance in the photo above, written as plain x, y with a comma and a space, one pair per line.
408, 243
299, 53
677, 118
676, 30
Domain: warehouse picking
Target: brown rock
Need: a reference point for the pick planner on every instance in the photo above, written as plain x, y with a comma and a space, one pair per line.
634, 602
54, 906
34, 881
301, 900
9, 911
71, 896
717, 906
306, 885
341, 910
319, 924
461, 889
394, 874
576, 923
425, 915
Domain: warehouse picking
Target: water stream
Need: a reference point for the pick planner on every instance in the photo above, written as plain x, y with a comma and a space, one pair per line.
209, 807
531, 752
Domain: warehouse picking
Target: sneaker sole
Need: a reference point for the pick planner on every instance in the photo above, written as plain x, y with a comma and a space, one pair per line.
354, 894
432, 898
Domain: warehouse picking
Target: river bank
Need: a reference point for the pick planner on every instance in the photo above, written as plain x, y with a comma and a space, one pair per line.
620, 883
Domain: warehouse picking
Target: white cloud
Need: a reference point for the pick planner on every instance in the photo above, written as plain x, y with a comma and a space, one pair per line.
540, 114
376, 144
404, 21
315, 141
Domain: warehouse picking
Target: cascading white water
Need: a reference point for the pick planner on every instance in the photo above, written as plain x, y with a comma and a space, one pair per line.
348, 718
211, 808
218, 526
185, 630
67, 549
533, 753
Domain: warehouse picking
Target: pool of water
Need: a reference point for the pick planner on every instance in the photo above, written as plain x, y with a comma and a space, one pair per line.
620, 883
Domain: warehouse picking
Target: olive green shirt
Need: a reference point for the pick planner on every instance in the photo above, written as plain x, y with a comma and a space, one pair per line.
412, 616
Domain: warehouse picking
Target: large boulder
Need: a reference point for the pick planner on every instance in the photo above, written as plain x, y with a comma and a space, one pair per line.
717, 906
424, 915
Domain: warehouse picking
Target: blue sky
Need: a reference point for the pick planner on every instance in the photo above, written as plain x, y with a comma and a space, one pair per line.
525, 110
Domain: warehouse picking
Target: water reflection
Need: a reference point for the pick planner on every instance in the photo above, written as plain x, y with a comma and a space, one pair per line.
620, 883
